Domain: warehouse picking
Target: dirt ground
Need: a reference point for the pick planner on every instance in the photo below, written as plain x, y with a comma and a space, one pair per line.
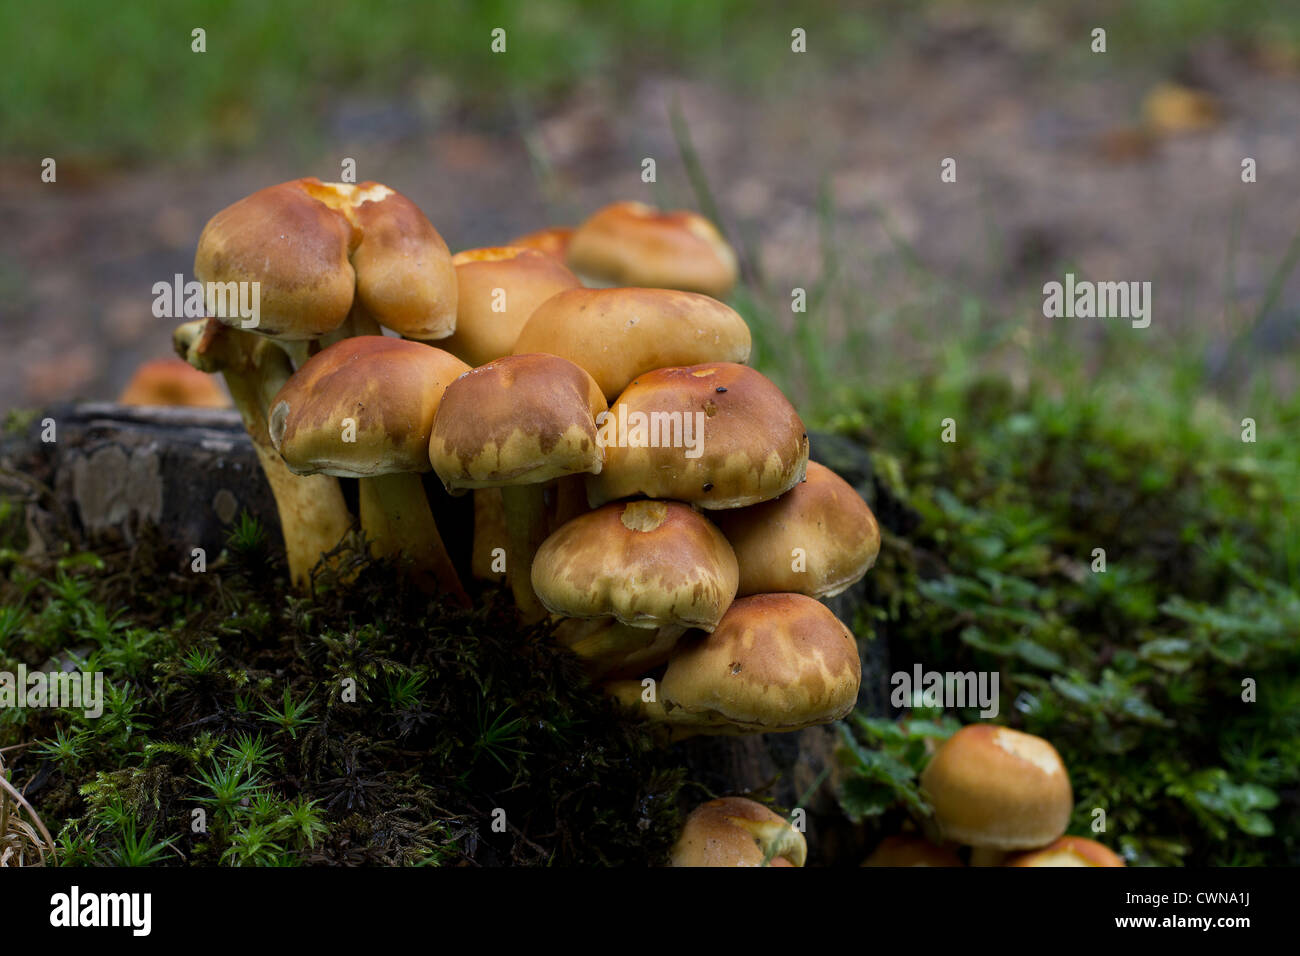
1055, 171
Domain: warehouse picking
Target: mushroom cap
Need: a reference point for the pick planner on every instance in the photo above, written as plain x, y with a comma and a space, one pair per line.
998, 788
632, 244
519, 420
735, 831
172, 381
618, 334
822, 516
314, 247
388, 387
554, 241
775, 662
519, 279
911, 851
645, 563
1068, 851
751, 443
614, 650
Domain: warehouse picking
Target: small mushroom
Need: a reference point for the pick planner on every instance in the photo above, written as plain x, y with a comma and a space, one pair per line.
364, 408
735, 831
632, 244
516, 424
775, 663
821, 518
498, 289
554, 241
748, 443
1068, 851
172, 381
911, 851
617, 334
997, 790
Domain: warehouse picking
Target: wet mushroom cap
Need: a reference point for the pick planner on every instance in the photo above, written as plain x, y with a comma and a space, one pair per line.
522, 419
316, 249
383, 391
911, 851
646, 563
1068, 851
998, 788
735, 831
618, 334
823, 519
775, 662
173, 381
752, 446
632, 244
553, 241
513, 280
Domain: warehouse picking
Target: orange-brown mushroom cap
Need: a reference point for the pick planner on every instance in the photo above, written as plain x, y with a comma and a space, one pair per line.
553, 241
645, 563
632, 244
362, 407
618, 334
735, 831
522, 419
819, 538
911, 851
172, 381
718, 435
998, 788
499, 288
1068, 851
775, 662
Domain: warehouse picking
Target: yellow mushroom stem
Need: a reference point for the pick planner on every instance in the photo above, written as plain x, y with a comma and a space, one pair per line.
397, 519
525, 509
313, 515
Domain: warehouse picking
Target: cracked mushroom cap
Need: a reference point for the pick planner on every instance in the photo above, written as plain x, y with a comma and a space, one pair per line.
499, 289
998, 788
821, 520
315, 247
776, 662
1068, 851
382, 391
911, 851
649, 564
172, 381
519, 420
735, 831
618, 334
719, 435
553, 241
632, 244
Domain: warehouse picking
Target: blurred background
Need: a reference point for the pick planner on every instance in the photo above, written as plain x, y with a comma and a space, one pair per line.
925, 299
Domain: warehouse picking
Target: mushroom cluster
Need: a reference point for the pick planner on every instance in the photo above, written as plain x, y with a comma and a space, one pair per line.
632, 478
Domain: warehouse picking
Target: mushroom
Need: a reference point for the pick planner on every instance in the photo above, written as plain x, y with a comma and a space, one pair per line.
995, 790
172, 381
1068, 851
774, 663
735, 831
498, 289
747, 443
911, 851
324, 252
313, 516
516, 424
618, 334
612, 650
819, 538
632, 244
554, 241
364, 408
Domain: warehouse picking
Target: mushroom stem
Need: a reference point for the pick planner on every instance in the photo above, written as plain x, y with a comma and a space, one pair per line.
986, 856
525, 507
396, 517
313, 515
297, 351
570, 499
